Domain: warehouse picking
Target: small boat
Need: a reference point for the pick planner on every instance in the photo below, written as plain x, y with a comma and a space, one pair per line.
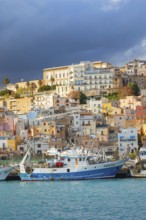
138, 174
5, 171
138, 169
68, 167
142, 154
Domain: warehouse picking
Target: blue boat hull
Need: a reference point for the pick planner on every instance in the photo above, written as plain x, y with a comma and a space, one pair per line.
79, 175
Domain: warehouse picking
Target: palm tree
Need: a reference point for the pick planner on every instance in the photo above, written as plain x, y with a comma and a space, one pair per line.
52, 80
40, 83
32, 87
16, 86
27, 85
6, 81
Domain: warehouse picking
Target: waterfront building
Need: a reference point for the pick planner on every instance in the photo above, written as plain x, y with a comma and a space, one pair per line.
127, 140
37, 144
7, 142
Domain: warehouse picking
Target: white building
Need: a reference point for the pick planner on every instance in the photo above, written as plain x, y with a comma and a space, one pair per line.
3, 142
95, 106
38, 146
136, 67
127, 140
84, 76
44, 101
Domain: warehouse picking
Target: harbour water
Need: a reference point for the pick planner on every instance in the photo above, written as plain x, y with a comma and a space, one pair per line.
108, 199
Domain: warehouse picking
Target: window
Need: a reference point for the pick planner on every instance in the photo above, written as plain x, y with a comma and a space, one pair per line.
39, 145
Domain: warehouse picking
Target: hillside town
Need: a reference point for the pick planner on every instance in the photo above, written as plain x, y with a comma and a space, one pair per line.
92, 105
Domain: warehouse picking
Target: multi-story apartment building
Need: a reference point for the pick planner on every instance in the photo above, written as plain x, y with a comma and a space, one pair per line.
83, 123
129, 102
59, 101
136, 67
95, 106
140, 116
8, 143
57, 76
102, 133
20, 105
130, 118
43, 101
127, 140
85, 76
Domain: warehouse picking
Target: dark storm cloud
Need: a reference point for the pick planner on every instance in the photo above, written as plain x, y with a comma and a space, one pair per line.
37, 34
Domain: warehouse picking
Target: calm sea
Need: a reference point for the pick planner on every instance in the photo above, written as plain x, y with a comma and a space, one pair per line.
93, 199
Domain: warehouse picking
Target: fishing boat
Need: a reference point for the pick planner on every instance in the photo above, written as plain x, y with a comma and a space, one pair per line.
4, 172
73, 167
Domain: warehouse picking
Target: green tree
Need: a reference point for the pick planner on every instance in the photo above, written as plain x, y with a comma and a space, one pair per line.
126, 91
6, 81
78, 95
135, 88
82, 98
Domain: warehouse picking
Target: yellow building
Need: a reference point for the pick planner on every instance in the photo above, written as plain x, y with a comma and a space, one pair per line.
101, 64
12, 144
21, 105
48, 128
58, 76
107, 108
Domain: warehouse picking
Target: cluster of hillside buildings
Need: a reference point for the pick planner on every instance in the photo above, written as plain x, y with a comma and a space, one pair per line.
54, 119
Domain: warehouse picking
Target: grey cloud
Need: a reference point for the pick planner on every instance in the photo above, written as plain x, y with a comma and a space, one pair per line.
37, 34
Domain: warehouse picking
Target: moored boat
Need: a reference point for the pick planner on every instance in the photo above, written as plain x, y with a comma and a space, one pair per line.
138, 174
75, 167
4, 172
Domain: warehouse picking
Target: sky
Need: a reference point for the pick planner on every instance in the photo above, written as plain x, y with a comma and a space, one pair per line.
38, 34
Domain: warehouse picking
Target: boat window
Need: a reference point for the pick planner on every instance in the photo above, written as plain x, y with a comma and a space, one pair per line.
68, 170
80, 159
68, 159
